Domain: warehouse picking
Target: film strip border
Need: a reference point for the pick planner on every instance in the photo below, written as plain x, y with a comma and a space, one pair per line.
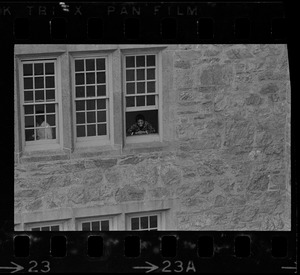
142, 252
210, 22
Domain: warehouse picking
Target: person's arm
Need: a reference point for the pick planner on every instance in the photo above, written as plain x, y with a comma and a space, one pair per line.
132, 129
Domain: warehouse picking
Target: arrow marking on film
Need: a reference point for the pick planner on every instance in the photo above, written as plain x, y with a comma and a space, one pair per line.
15, 268
151, 268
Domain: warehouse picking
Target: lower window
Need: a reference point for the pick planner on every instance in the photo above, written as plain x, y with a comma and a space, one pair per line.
45, 228
144, 222
100, 224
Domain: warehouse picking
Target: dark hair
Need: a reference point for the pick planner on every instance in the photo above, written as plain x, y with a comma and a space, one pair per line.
139, 117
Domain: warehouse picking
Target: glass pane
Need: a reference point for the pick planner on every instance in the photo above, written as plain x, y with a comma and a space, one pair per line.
28, 83
90, 91
80, 105
80, 92
29, 121
49, 68
29, 135
151, 87
91, 130
101, 77
95, 226
101, 129
140, 101
80, 131
101, 90
90, 65
39, 96
55, 228
28, 109
28, 96
39, 120
101, 116
104, 225
150, 100
50, 95
91, 104
80, 118
27, 69
129, 75
79, 79
134, 223
45, 228
91, 117
153, 221
101, 103
50, 108
140, 61
130, 88
130, 101
38, 69
39, 82
150, 73
100, 64
35, 229
39, 109
49, 81
129, 61
144, 222
53, 132
50, 119
140, 74
79, 67
150, 60
86, 226
141, 87
90, 78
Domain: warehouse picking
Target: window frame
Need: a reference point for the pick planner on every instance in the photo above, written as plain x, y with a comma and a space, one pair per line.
111, 220
29, 226
160, 219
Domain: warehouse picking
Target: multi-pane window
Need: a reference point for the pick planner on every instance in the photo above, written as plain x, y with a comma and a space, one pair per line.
100, 225
40, 101
91, 98
46, 228
144, 223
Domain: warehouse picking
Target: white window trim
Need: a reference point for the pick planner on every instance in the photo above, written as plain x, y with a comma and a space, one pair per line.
61, 224
112, 221
160, 218
97, 140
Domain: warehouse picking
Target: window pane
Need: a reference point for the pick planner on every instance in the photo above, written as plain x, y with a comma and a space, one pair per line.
29, 121
50, 95
151, 87
101, 104
101, 116
150, 60
144, 222
55, 228
45, 228
39, 82
79, 67
80, 118
80, 91
150, 100
129, 75
35, 229
101, 90
50, 119
80, 131
91, 104
140, 101
86, 226
140, 74
27, 69
141, 87
130, 88
28, 109
79, 79
100, 64
101, 77
49, 81
38, 69
140, 61
53, 131
91, 130
90, 64
39, 109
130, 101
80, 105
95, 226
28, 83
39, 96
129, 61
101, 129
153, 221
90, 91
90, 78
29, 135
50, 108
104, 225
150, 73
134, 223
49, 68
28, 96
91, 117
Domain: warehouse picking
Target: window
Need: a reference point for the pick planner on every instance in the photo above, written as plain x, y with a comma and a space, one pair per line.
141, 96
145, 222
100, 224
45, 228
91, 99
40, 102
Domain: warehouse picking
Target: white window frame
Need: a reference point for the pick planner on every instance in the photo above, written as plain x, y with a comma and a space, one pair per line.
61, 224
111, 219
41, 144
95, 140
158, 73
160, 219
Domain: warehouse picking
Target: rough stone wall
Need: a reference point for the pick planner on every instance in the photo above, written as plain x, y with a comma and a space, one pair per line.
229, 163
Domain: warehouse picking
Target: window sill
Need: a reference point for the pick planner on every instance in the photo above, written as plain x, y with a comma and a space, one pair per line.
146, 147
96, 150
46, 155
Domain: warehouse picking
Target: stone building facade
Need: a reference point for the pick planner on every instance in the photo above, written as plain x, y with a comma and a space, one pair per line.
220, 160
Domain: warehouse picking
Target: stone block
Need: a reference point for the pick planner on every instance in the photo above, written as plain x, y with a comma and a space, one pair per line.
34, 205
216, 75
212, 167
259, 182
113, 175
129, 193
105, 163
76, 195
254, 100
170, 175
220, 201
239, 53
269, 88
182, 64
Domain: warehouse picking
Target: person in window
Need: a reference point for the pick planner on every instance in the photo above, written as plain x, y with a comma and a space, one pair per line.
141, 127
43, 130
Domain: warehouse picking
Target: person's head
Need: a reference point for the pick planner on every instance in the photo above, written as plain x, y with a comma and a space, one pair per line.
140, 120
